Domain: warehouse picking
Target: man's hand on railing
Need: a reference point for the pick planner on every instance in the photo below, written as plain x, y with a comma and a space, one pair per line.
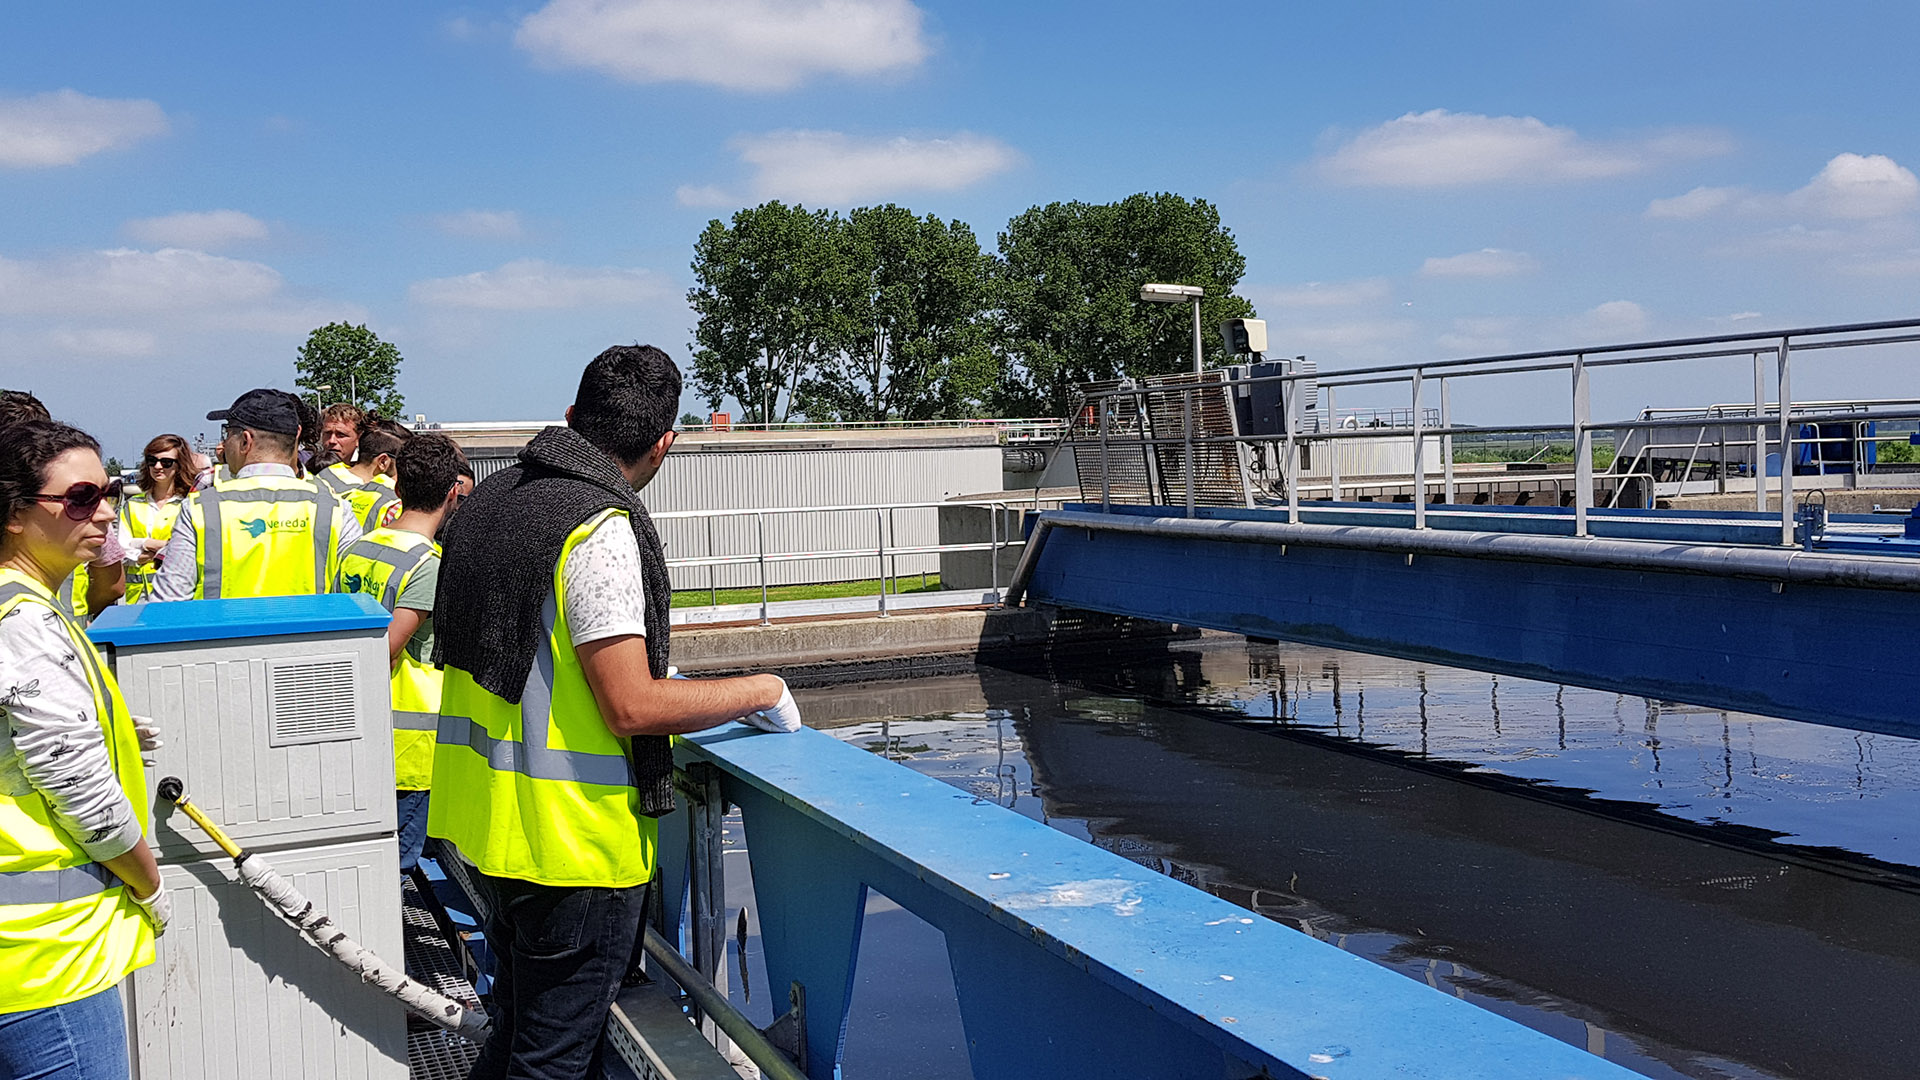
784, 717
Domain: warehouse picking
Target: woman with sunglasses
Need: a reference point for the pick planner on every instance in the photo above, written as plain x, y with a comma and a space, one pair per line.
80, 895
147, 516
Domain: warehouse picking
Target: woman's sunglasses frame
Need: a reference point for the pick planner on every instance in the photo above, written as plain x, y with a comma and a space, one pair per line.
80, 500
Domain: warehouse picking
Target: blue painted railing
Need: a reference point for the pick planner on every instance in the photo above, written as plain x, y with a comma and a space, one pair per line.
1067, 960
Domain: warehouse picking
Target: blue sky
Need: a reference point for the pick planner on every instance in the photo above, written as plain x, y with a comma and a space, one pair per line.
504, 190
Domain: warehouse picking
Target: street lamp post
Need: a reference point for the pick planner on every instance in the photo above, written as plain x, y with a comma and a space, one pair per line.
1180, 294
319, 404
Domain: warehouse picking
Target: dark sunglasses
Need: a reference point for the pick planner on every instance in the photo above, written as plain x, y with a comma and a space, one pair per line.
81, 500
164, 462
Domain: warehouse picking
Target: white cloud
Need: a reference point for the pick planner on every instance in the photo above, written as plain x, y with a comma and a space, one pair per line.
482, 224
736, 44
1322, 294
1613, 320
533, 284
103, 342
1485, 263
1352, 341
201, 230
828, 167
1697, 203
1850, 187
64, 126
1438, 148
1856, 186
704, 195
125, 281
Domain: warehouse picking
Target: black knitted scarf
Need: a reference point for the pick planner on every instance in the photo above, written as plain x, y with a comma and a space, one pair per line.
497, 569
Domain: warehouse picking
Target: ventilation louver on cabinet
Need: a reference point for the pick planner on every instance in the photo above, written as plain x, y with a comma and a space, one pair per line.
311, 700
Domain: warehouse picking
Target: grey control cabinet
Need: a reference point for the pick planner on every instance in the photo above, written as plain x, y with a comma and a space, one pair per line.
275, 714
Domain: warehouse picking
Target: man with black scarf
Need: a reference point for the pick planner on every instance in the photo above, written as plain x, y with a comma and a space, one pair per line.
552, 757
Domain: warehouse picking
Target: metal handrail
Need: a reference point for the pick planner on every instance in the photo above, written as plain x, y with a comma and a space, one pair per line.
887, 551
1579, 362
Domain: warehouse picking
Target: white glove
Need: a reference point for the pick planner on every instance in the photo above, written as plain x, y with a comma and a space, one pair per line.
158, 908
150, 744
784, 717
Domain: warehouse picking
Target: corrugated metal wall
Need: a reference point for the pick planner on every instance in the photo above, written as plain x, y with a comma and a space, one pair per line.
707, 479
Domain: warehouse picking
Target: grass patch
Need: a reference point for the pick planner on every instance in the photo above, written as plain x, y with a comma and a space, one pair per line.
913, 583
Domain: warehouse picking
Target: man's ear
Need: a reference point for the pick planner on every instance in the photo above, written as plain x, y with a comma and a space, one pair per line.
658, 452
569, 416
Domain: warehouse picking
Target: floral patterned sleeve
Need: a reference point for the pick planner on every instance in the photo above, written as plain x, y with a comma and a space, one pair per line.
51, 741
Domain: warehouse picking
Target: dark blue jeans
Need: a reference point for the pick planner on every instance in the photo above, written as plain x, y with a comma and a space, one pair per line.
81, 1040
559, 956
412, 813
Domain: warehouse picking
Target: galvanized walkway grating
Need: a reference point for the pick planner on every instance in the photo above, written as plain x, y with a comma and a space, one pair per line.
433, 1054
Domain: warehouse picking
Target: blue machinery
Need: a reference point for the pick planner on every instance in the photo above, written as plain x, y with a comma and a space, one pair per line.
1068, 960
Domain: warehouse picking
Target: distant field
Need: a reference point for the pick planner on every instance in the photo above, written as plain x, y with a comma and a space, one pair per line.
870, 587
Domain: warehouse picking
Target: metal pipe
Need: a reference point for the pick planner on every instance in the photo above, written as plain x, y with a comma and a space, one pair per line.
1186, 429
711, 1003
1199, 356
1446, 440
1789, 565
1333, 455
1759, 436
760, 530
1030, 557
1786, 448
1582, 446
1419, 458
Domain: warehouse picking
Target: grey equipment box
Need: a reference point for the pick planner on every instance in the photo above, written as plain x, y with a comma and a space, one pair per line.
275, 712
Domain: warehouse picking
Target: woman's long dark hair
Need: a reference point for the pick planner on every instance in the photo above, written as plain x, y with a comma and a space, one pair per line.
182, 480
26, 449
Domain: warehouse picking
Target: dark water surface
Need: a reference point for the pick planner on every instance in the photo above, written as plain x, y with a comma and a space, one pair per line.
1690, 893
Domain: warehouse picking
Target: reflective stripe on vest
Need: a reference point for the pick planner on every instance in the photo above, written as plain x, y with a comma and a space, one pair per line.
147, 520
541, 791
379, 565
276, 578
68, 927
54, 886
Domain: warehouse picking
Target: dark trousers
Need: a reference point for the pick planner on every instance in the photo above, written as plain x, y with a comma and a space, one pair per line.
411, 810
560, 953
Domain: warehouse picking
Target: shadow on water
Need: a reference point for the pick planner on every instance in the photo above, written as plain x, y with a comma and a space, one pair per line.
1691, 894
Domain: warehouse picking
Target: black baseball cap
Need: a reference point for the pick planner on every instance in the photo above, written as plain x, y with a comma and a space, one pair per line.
262, 409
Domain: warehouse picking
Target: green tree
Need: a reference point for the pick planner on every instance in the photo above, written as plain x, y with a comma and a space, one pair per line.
1068, 280
354, 362
768, 308
912, 342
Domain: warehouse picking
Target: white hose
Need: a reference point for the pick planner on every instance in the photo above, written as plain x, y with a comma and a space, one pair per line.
319, 927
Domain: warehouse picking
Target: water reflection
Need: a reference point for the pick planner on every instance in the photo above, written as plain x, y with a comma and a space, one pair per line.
1434, 821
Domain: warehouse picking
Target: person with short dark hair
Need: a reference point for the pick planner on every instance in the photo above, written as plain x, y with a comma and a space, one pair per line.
553, 756
267, 531
83, 897
372, 497
399, 565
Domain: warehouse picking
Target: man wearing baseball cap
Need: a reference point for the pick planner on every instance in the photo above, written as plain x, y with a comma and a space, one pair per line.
266, 532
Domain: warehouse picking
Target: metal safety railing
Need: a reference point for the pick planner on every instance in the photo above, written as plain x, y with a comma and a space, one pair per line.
1117, 412
886, 548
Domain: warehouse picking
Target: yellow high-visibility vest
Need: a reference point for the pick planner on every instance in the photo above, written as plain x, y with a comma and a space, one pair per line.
67, 927
337, 478
541, 791
146, 520
369, 501
265, 536
73, 594
380, 564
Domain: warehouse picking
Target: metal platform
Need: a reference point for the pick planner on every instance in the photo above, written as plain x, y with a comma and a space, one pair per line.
433, 959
